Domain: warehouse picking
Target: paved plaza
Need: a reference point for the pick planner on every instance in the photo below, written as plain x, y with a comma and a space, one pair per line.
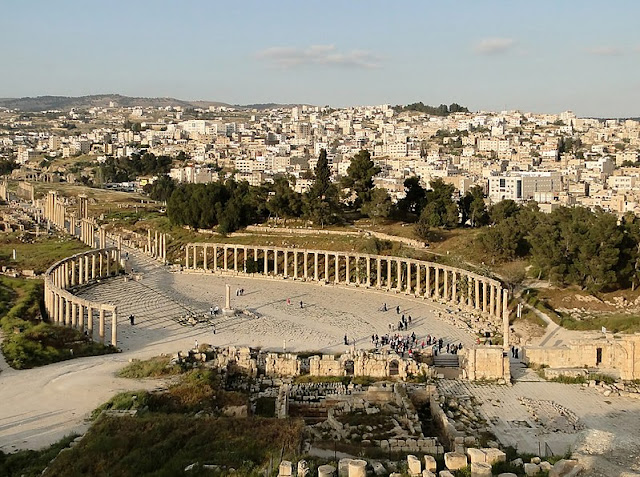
42, 405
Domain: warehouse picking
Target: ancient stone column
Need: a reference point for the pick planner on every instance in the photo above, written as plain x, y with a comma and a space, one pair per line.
227, 297
418, 290
378, 272
326, 268
454, 288
93, 266
235, 259
492, 300
446, 284
336, 269
368, 259
186, 257
505, 319
286, 263
73, 272
477, 294
498, 309
399, 274
205, 265
408, 264
315, 266
266, 261
74, 316
295, 265
484, 296
437, 284
67, 312
101, 325
346, 268
427, 288
114, 326
81, 270
195, 256
86, 268
469, 291
90, 321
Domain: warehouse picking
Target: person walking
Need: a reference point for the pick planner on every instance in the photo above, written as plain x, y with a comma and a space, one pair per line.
131, 319
196, 344
398, 310
301, 304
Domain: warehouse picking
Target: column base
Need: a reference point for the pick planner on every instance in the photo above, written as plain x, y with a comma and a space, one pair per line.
228, 311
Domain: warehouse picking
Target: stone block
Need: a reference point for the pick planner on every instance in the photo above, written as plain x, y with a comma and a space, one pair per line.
285, 469
326, 471
531, 469
343, 467
358, 468
564, 468
476, 455
545, 466
415, 467
455, 460
480, 469
430, 463
426, 473
445, 473
494, 456
378, 468
303, 468
536, 460
517, 462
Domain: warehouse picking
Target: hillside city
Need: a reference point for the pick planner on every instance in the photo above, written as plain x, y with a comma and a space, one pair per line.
552, 159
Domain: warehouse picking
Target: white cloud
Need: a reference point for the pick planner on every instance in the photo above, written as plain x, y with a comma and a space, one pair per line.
604, 51
493, 46
328, 55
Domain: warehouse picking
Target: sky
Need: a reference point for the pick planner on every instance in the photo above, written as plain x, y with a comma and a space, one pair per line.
540, 56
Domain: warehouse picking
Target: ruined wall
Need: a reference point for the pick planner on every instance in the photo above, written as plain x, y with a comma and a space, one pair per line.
485, 362
617, 354
281, 364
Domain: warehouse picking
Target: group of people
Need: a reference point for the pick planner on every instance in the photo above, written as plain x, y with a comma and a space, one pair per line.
239, 291
403, 324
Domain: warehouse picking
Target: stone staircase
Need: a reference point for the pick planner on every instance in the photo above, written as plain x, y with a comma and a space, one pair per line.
446, 360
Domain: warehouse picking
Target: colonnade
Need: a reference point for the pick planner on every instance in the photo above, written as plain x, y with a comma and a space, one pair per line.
66, 309
156, 248
412, 277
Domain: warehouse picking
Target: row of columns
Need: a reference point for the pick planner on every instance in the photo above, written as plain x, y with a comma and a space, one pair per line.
413, 277
156, 248
64, 308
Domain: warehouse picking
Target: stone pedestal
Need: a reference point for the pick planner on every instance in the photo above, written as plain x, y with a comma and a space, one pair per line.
227, 310
326, 471
358, 468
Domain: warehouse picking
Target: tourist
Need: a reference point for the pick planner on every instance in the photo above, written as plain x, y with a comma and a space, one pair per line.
131, 319
196, 345
288, 301
398, 310
384, 307
211, 310
301, 304
346, 340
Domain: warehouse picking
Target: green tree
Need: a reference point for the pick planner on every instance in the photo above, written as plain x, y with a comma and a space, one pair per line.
415, 197
161, 189
359, 177
440, 209
285, 202
379, 206
502, 210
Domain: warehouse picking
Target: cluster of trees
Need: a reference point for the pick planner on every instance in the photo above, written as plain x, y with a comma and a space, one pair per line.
442, 110
227, 205
569, 246
125, 169
7, 165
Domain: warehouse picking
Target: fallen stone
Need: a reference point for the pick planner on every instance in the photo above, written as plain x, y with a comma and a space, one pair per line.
494, 456
285, 469
455, 460
430, 463
476, 455
531, 468
564, 467
415, 467
480, 469
326, 471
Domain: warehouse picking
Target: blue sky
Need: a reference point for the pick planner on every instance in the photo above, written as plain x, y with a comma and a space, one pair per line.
541, 56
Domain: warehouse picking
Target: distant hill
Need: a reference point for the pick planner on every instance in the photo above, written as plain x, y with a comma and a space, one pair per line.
442, 110
65, 103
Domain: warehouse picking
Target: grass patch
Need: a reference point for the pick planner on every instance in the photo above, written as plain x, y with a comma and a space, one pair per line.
156, 367
163, 445
36, 254
28, 341
30, 463
197, 390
